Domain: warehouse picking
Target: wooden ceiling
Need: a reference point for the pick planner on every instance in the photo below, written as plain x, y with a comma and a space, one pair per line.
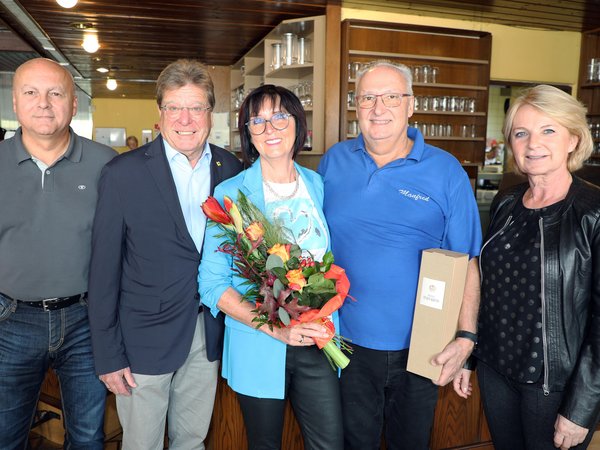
140, 37
561, 15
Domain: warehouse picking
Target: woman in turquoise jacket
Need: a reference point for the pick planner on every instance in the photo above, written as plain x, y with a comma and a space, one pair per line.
264, 366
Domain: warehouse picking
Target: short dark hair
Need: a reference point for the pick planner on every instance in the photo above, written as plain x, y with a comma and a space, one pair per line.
279, 97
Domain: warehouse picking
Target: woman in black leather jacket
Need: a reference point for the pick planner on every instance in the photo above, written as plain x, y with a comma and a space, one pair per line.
539, 321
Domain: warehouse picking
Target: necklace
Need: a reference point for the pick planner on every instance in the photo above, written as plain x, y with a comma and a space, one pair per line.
283, 197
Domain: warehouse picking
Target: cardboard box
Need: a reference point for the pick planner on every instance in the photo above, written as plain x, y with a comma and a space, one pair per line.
439, 297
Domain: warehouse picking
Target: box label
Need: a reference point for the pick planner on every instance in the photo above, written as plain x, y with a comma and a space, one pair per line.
432, 293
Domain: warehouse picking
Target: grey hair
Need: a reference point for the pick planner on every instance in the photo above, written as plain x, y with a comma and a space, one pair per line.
402, 69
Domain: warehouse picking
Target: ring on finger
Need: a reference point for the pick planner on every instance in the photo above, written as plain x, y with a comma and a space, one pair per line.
301, 340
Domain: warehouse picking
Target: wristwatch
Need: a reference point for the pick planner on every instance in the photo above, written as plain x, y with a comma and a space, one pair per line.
466, 335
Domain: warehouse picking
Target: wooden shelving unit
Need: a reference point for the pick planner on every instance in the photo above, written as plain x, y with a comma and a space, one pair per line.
254, 69
589, 90
463, 60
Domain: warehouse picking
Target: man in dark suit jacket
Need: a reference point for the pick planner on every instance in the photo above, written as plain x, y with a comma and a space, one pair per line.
152, 346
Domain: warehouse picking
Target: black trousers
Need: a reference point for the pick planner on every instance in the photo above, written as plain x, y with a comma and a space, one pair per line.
519, 415
312, 387
379, 395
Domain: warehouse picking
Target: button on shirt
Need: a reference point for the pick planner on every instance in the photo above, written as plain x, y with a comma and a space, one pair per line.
193, 187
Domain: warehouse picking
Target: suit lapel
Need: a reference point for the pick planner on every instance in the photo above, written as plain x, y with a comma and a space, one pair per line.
216, 170
158, 166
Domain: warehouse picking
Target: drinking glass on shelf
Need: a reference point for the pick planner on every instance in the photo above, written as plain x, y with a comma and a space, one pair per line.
307, 93
351, 100
301, 50
433, 78
441, 129
418, 102
276, 57
593, 69
443, 103
470, 105
426, 73
433, 130
288, 49
353, 69
453, 103
417, 74
464, 130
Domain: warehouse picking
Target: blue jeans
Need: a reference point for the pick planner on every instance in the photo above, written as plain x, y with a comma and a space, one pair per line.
380, 396
32, 340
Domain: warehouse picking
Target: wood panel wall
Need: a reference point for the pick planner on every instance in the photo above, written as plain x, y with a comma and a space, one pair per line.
458, 424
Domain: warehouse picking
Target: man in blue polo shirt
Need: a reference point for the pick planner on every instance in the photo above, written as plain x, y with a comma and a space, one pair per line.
388, 196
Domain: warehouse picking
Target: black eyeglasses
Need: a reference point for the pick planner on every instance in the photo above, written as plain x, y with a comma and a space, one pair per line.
258, 125
391, 100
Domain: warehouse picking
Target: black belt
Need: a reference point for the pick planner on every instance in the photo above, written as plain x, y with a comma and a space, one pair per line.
51, 304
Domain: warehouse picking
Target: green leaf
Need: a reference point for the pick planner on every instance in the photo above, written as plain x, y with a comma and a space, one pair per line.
308, 271
284, 316
273, 261
277, 288
327, 260
280, 272
292, 263
295, 251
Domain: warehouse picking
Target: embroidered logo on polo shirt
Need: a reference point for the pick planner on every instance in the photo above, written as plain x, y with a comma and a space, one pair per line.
416, 197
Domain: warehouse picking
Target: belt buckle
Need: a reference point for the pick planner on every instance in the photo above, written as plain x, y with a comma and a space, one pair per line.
49, 300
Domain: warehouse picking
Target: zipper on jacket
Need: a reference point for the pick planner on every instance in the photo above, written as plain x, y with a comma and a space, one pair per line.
506, 224
543, 298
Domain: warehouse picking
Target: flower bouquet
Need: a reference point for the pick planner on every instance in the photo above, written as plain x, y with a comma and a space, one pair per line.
286, 287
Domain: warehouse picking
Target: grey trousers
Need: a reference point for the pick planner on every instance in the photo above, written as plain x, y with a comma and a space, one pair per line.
185, 396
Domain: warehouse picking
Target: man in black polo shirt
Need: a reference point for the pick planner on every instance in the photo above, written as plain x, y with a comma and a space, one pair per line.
48, 191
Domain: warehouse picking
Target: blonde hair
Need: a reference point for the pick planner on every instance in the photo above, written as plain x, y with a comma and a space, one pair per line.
565, 109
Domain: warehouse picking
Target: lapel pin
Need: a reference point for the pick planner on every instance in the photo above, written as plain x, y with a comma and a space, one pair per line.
218, 163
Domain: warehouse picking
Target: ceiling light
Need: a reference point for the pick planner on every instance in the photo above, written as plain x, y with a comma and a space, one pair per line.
67, 3
90, 42
111, 84
82, 25
102, 69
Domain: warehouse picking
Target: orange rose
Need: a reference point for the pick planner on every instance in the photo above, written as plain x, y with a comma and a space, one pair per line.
255, 231
296, 279
281, 250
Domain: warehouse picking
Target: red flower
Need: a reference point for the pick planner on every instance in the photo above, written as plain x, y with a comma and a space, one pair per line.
213, 210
